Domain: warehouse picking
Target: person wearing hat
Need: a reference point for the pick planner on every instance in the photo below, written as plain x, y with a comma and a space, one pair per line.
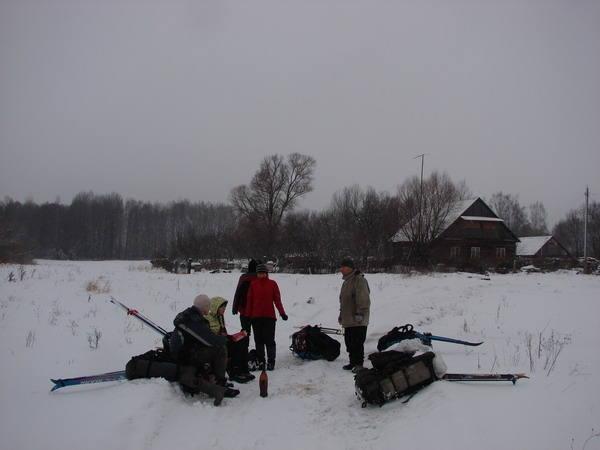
355, 305
263, 298
193, 344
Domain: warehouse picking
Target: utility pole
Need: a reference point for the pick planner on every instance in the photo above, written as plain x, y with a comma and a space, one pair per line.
585, 223
422, 164
421, 234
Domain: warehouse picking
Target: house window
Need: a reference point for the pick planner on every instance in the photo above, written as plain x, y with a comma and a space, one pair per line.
501, 252
454, 252
475, 252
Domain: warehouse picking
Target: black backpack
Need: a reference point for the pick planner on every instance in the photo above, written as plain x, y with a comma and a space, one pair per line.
153, 364
311, 343
398, 334
394, 375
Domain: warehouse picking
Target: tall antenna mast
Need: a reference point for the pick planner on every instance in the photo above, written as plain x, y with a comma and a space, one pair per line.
422, 164
585, 223
421, 233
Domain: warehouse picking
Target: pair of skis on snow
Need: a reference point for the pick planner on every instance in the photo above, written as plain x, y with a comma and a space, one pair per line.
120, 375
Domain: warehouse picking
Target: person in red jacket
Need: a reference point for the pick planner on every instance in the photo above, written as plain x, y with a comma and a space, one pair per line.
263, 297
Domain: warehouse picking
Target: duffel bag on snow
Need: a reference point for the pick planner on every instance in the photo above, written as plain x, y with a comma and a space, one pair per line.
153, 364
311, 343
394, 374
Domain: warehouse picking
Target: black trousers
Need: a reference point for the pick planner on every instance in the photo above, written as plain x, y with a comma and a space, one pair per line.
238, 352
264, 336
215, 355
355, 338
246, 325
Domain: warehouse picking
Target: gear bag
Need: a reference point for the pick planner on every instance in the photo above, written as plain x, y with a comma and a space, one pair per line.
399, 334
311, 343
153, 364
394, 374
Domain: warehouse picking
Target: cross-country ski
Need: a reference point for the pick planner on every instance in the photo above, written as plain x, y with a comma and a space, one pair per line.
90, 379
484, 377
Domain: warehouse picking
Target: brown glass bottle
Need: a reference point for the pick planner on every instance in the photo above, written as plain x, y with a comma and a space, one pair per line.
263, 382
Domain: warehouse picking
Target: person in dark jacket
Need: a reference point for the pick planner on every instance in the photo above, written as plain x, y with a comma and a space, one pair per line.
237, 344
263, 297
241, 295
193, 344
355, 305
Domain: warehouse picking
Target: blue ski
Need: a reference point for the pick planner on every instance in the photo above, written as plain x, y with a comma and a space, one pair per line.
425, 336
101, 378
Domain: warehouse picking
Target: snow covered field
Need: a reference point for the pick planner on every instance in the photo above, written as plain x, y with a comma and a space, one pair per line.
546, 325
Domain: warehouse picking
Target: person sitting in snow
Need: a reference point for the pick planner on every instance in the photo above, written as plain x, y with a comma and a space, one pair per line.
237, 344
193, 344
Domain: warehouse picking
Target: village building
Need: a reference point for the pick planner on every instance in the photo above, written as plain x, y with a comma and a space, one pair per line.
543, 251
470, 234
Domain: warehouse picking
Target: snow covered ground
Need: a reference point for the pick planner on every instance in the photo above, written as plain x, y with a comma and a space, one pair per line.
545, 325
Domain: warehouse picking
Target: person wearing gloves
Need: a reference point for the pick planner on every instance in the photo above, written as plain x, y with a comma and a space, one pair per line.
237, 344
355, 305
263, 298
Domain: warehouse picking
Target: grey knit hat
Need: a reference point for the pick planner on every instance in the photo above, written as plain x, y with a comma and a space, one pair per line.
202, 302
262, 268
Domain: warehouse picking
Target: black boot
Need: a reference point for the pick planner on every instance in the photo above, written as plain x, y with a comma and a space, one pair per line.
271, 351
194, 384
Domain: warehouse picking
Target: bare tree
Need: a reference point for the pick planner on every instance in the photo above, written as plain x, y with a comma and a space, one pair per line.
537, 215
594, 229
273, 191
426, 206
508, 208
569, 231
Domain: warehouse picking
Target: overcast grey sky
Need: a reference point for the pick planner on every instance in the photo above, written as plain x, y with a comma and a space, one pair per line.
166, 99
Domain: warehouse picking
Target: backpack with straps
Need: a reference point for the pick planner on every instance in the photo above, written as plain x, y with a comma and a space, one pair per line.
153, 364
394, 375
311, 343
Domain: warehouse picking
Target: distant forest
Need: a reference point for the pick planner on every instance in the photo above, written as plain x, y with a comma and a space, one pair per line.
103, 227
260, 222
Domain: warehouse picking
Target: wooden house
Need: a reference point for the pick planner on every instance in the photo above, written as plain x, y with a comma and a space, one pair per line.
539, 248
470, 234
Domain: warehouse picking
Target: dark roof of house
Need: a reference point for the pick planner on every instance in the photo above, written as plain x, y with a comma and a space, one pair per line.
456, 212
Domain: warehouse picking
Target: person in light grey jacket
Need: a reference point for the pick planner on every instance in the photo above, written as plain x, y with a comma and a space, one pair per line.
355, 305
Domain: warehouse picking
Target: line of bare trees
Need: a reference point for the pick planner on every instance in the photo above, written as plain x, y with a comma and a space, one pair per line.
262, 221
107, 227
